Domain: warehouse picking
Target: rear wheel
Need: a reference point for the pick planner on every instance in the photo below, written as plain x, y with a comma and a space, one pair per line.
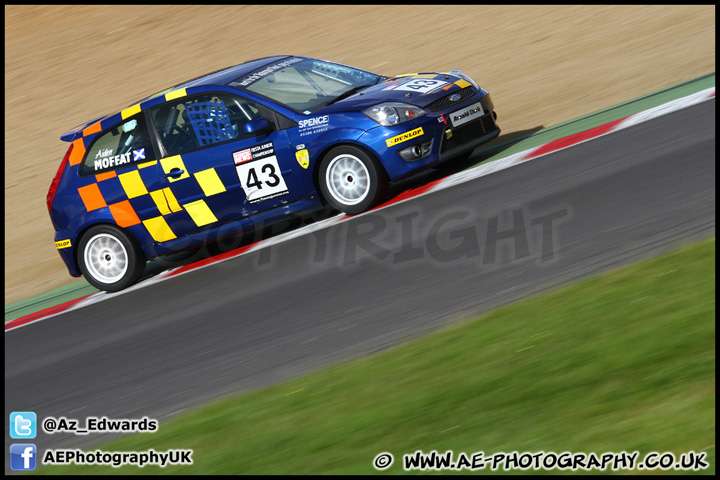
351, 180
109, 258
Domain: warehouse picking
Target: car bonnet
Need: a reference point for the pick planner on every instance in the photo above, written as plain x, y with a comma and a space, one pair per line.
416, 89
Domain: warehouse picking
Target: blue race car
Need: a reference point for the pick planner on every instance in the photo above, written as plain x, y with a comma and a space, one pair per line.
246, 146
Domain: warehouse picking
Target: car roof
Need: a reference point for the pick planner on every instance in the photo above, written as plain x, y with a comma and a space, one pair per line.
218, 77
224, 76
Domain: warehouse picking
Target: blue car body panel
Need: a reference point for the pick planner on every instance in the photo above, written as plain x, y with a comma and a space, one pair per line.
234, 185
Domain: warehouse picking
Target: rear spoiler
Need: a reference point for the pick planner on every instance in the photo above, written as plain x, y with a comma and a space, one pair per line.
76, 132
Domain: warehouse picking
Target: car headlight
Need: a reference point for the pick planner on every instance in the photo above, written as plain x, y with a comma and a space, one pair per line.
389, 114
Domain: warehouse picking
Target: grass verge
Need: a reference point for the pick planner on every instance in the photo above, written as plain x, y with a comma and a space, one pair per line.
621, 362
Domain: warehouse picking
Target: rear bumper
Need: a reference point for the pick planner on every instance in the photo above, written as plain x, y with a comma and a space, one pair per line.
66, 243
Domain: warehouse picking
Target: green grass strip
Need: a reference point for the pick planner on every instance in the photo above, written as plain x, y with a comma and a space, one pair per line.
621, 362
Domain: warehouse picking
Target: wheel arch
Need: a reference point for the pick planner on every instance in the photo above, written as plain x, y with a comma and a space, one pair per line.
99, 223
324, 152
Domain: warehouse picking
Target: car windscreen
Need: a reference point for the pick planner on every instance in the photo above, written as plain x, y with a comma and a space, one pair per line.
305, 84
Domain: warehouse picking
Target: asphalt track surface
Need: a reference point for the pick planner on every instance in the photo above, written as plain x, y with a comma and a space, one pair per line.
371, 282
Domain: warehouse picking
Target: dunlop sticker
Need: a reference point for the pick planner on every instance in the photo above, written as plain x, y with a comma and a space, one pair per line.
405, 136
63, 244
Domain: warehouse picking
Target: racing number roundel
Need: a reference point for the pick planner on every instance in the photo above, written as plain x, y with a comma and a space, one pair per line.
259, 173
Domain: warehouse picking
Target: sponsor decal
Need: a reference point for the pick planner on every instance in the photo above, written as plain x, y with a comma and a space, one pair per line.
303, 158
422, 85
242, 156
105, 160
63, 244
466, 114
404, 137
249, 80
105, 152
311, 126
110, 162
260, 175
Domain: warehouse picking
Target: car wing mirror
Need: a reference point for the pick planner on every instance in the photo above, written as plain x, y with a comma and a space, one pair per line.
258, 126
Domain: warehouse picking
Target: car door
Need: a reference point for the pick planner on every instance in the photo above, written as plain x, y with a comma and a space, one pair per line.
119, 171
213, 170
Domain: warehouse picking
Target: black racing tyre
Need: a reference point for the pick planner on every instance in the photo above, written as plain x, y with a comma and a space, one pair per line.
109, 258
351, 180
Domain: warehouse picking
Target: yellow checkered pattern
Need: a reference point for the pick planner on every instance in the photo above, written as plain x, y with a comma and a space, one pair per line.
134, 187
164, 199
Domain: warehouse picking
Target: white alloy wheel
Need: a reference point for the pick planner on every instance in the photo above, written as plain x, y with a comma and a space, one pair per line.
347, 179
351, 180
110, 258
106, 258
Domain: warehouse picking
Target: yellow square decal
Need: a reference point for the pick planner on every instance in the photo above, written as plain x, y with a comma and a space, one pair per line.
200, 213
210, 182
175, 94
63, 244
159, 198
159, 229
170, 163
132, 184
129, 112
171, 200
462, 83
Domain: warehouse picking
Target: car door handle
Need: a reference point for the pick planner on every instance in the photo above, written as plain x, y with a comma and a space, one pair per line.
175, 172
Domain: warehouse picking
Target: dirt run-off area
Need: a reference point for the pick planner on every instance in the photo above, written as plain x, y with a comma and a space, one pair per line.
65, 65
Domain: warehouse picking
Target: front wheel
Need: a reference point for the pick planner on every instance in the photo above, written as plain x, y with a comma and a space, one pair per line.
109, 258
351, 181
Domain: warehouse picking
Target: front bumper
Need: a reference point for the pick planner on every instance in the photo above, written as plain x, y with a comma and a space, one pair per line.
468, 137
439, 140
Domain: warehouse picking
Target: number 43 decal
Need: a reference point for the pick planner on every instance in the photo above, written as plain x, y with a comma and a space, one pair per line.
261, 179
422, 85
269, 170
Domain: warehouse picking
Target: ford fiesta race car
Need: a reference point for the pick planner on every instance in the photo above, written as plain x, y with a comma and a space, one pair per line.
249, 145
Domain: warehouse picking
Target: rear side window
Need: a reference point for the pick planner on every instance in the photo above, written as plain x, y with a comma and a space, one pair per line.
125, 144
202, 121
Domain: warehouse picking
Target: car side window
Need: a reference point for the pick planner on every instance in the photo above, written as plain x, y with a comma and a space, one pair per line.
202, 121
123, 145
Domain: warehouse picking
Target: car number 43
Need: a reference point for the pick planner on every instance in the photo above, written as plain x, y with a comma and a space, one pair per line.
261, 179
422, 85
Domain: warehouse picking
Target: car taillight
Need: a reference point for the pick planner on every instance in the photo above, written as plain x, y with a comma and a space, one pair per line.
56, 180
